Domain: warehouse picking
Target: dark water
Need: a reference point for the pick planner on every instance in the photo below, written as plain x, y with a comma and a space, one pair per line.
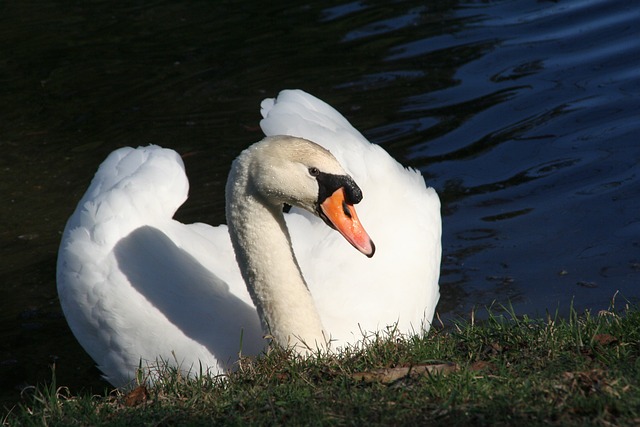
524, 115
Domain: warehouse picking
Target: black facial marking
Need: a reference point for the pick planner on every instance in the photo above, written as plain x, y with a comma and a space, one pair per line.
286, 208
329, 183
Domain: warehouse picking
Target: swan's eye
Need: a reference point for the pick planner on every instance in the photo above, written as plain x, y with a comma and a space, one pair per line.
313, 171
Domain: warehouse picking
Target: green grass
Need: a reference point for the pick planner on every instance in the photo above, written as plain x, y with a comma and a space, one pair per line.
508, 370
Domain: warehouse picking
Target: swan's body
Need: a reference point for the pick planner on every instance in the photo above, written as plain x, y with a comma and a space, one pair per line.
137, 285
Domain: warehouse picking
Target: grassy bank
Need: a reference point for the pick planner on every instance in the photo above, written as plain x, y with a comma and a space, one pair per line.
583, 370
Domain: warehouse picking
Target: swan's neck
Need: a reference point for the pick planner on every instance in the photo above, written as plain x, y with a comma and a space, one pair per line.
269, 267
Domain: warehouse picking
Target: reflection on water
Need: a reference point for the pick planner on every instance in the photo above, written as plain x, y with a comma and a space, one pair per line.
523, 115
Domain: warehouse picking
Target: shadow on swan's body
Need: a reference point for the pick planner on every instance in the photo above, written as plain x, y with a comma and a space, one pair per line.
169, 285
135, 284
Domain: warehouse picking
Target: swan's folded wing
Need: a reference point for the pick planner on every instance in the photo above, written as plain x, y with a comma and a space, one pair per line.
134, 283
402, 216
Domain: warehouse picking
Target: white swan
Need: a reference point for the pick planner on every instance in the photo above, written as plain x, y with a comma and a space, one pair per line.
137, 286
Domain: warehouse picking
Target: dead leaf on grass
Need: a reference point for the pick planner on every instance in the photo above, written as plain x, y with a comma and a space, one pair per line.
590, 382
605, 339
136, 396
481, 365
390, 375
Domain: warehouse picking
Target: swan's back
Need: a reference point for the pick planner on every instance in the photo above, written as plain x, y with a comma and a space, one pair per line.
400, 283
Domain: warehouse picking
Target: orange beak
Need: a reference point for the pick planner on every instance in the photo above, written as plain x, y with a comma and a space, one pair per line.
339, 214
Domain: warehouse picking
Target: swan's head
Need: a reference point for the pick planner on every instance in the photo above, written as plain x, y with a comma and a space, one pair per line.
297, 172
